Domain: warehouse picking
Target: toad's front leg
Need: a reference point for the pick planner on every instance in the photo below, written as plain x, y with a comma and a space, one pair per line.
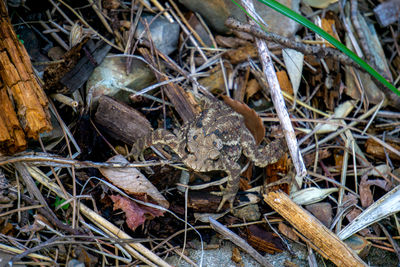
232, 186
159, 136
263, 155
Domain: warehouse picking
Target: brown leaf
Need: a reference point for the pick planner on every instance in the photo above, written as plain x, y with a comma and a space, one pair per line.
132, 181
262, 240
251, 119
288, 232
322, 211
284, 82
135, 214
252, 87
365, 192
329, 26
380, 183
352, 215
241, 54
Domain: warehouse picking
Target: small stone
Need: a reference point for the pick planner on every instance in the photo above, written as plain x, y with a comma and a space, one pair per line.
215, 12
322, 211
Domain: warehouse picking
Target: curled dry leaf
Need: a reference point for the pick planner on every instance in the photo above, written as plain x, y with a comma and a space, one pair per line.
132, 181
136, 214
385, 206
251, 119
341, 111
252, 88
365, 192
365, 189
311, 195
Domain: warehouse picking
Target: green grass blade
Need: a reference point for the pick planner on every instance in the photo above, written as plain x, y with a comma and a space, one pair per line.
306, 23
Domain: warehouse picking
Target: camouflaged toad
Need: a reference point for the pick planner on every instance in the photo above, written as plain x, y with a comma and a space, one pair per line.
214, 141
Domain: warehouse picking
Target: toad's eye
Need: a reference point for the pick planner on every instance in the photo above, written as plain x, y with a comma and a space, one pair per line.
195, 137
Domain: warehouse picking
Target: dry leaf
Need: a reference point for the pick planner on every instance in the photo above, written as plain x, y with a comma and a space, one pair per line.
132, 181
135, 214
311, 195
284, 82
251, 119
287, 231
262, 240
241, 54
366, 197
319, 3
322, 211
328, 25
341, 111
294, 64
385, 206
252, 88
236, 257
215, 81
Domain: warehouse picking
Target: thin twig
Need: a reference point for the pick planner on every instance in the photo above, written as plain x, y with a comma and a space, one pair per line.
277, 99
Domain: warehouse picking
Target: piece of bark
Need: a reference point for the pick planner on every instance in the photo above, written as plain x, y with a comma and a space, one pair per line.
94, 55
12, 137
387, 12
238, 241
121, 121
175, 93
377, 150
262, 240
77, 66
314, 232
54, 72
19, 89
203, 201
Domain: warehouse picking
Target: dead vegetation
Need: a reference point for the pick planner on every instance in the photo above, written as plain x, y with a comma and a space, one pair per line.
108, 73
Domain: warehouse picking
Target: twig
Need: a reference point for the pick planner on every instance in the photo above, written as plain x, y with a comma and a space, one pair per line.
135, 248
195, 34
55, 36
278, 100
318, 51
90, 27
47, 159
359, 30
237, 240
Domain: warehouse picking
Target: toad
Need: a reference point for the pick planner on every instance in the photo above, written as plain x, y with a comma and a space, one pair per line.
214, 141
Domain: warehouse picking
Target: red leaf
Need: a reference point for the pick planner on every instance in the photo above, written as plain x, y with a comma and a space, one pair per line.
136, 214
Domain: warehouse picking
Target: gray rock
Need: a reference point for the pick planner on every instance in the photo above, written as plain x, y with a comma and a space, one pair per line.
215, 12
164, 34
110, 78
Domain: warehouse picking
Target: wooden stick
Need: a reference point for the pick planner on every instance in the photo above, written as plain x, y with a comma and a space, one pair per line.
277, 99
136, 249
320, 237
19, 81
238, 241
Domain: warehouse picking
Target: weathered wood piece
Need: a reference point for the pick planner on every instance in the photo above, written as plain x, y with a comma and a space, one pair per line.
387, 12
238, 241
320, 238
94, 55
175, 93
77, 66
121, 121
20, 90
12, 137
